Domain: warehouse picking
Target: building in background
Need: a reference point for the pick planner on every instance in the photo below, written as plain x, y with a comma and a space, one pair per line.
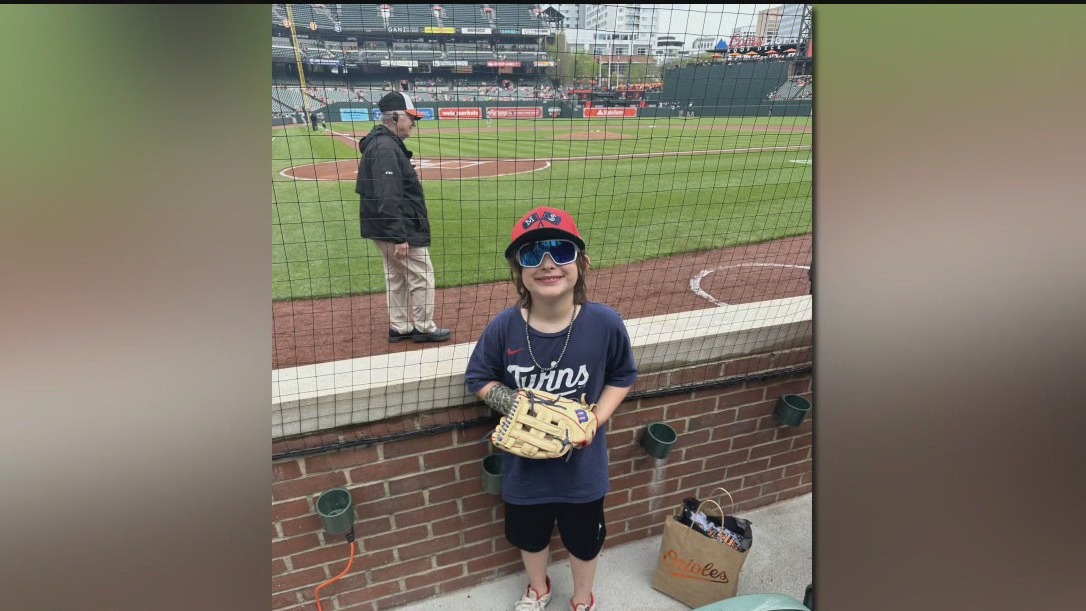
769, 23
668, 47
791, 19
572, 14
625, 18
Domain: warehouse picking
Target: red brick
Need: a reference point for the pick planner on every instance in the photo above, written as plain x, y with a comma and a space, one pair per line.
424, 515
407, 597
367, 493
454, 456
757, 410
430, 547
747, 365
753, 439
735, 429
793, 358
797, 469
397, 537
757, 479
747, 468
634, 418
292, 581
663, 487
302, 525
621, 514
434, 577
484, 532
678, 470
385, 469
286, 599
480, 501
791, 387
802, 441
770, 449
307, 486
782, 484
757, 502
278, 567
705, 450
664, 400
791, 457
368, 594
396, 504
402, 569
619, 438
286, 547
502, 558
459, 522
422, 481
344, 459
687, 409
465, 553
454, 491
618, 469
418, 445
795, 431
362, 529
291, 509
700, 373
335, 556
364, 561
705, 477
637, 478
285, 470
794, 492
616, 498
716, 418
742, 397
728, 459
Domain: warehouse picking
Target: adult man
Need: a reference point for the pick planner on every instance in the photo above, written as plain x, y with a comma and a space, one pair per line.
393, 214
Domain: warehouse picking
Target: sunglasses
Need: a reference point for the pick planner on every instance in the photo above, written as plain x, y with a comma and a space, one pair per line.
562, 252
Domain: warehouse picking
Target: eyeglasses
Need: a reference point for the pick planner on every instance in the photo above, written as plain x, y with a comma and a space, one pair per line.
562, 252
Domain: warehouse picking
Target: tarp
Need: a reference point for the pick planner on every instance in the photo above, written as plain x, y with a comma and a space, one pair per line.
721, 45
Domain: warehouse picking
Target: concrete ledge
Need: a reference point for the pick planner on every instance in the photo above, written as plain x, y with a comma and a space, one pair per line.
317, 397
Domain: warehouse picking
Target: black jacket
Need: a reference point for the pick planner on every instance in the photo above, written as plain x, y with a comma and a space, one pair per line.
392, 207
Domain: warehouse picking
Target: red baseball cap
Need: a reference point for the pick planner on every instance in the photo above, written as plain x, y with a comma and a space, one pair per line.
544, 223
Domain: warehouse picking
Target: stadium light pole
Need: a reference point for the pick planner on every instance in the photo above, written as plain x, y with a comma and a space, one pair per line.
297, 58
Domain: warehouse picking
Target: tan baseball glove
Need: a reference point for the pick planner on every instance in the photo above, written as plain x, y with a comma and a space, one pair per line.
544, 425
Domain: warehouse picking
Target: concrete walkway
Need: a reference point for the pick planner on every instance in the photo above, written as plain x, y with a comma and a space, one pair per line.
780, 563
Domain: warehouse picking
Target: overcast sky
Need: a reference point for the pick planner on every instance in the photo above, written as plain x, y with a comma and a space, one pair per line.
688, 21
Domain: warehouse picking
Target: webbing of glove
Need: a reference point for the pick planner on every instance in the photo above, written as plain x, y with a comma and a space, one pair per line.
534, 433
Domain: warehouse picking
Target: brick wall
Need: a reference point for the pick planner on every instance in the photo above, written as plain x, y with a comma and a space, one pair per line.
425, 527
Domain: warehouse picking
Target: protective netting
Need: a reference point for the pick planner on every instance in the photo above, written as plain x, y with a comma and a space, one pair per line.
679, 140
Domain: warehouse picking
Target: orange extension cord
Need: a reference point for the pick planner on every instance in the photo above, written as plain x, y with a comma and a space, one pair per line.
317, 592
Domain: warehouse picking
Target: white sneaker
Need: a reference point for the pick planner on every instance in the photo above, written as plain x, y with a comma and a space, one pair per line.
532, 601
591, 606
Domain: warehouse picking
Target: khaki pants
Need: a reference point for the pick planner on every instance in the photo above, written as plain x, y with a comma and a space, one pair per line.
410, 284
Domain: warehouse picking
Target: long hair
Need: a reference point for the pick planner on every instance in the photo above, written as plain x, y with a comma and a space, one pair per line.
580, 288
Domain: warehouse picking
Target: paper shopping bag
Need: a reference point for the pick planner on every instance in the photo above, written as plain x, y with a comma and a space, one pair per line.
694, 568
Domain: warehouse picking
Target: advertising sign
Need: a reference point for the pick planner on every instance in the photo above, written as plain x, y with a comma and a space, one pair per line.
545, 63
427, 113
460, 113
436, 30
354, 114
514, 112
535, 32
509, 31
498, 64
475, 30
402, 29
402, 63
595, 113
449, 62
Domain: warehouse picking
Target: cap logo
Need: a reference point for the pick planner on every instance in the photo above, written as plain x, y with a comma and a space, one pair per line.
531, 220
552, 218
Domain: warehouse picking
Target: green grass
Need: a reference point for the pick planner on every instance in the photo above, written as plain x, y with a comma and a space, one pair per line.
628, 210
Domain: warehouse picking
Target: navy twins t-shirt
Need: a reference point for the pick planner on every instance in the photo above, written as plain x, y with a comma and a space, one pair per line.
599, 354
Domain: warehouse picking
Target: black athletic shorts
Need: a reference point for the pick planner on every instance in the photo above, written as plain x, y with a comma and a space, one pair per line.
581, 526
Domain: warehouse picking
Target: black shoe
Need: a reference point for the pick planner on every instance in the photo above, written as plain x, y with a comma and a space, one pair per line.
438, 335
395, 338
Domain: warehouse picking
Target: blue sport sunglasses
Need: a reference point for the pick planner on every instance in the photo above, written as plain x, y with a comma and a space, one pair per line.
562, 252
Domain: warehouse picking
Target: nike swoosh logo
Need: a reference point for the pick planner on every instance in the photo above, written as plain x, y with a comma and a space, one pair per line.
511, 352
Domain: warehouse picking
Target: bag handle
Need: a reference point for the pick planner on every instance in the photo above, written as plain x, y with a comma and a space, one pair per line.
691, 525
732, 501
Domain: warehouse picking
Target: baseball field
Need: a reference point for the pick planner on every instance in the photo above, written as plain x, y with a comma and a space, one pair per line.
640, 189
